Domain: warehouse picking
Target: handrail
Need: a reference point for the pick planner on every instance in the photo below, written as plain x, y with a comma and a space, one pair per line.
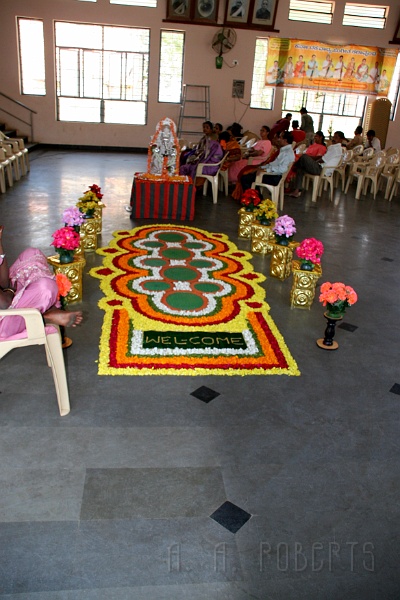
31, 112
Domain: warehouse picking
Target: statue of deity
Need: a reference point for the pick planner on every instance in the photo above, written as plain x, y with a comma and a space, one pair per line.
164, 150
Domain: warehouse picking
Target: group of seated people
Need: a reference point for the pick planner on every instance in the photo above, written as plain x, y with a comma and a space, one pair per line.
273, 157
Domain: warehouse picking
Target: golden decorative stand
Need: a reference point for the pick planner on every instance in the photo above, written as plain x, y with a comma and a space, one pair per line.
98, 216
246, 219
304, 284
261, 238
281, 260
88, 234
73, 271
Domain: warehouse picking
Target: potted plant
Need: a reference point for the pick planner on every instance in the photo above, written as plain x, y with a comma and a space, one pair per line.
90, 200
66, 240
337, 297
265, 212
309, 251
73, 217
284, 229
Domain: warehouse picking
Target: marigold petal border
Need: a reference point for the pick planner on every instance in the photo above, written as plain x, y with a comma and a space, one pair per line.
274, 357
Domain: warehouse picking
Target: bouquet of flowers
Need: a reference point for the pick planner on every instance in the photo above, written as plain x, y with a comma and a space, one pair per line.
250, 199
265, 212
64, 286
66, 240
337, 297
90, 200
73, 217
310, 251
284, 229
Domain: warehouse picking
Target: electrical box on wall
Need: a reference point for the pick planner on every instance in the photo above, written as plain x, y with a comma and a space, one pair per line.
238, 88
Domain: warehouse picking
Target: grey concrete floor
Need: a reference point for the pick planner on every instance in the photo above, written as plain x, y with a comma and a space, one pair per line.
113, 501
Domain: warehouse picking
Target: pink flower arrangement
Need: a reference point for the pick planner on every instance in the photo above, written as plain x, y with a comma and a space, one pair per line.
337, 297
73, 217
310, 251
66, 238
284, 229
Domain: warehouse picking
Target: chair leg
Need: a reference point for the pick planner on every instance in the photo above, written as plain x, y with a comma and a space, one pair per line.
55, 354
9, 175
205, 186
360, 181
316, 182
214, 187
2, 181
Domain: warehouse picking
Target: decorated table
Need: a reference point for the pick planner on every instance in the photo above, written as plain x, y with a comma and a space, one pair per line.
155, 197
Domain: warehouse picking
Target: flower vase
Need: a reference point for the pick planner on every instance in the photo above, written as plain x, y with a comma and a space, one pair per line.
281, 259
262, 237
327, 342
336, 310
89, 235
66, 256
304, 284
246, 219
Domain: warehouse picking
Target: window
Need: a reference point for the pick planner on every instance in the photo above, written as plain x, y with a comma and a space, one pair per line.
261, 96
330, 112
31, 56
393, 94
148, 3
311, 11
102, 73
171, 66
365, 15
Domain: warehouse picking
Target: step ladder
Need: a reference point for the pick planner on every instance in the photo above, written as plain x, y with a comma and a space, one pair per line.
195, 109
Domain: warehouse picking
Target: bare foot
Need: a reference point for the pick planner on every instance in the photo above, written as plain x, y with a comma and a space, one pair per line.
56, 316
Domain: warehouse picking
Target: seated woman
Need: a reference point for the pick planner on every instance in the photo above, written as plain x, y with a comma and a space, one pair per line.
258, 153
208, 134
230, 145
29, 283
211, 153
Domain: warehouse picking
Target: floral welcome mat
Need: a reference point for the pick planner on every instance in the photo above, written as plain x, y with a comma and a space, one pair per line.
182, 301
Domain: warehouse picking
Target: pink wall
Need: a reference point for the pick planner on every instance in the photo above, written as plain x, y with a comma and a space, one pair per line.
199, 65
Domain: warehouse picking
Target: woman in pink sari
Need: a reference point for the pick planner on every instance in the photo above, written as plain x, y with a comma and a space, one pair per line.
29, 283
258, 153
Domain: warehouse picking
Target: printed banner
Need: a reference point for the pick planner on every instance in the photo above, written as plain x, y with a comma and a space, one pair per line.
315, 65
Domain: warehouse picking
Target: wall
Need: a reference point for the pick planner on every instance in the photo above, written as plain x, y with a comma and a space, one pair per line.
199, 65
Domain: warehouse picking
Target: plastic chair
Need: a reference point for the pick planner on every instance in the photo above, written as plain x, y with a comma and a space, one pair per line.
5, 171
395, 185
372, 175
277, 191
243, 140
392, 151
301, 148
37, 333
358, 171
324, 178
213, 179
14, 160
21, 147
340, 171
389, 173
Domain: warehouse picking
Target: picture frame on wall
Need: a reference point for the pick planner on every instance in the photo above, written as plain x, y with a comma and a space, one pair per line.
205, 11
264, 12
396, 37
237, 12
178, 10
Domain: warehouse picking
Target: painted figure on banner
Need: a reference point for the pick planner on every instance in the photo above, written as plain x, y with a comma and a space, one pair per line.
373, 74
312, 70
299, 68
164, 149
288, 69
350, 69
273, 73
327, 70
383, 82
362, 70
339, 69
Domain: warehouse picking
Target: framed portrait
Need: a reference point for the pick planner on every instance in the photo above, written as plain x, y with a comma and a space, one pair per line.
178, 10
237, 12
205, 11
396, 37
263, 12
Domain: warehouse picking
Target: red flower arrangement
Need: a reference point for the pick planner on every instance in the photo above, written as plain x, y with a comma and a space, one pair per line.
66, 238
250, 199
96, 191
310, 251
337, 297
64, 286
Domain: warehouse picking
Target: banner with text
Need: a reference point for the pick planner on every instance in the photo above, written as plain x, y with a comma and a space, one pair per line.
315, 65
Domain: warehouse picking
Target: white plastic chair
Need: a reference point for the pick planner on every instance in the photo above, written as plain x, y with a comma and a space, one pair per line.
243, 140
37, 333
14, 160
21, 148
389, 173
277, 191
340, 171
372, 175
324, 178
358, 170
396, 183
213, 179
301, 148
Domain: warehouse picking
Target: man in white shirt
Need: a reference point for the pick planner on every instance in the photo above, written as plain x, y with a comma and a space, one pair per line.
372, 141
315, 164
275, 169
